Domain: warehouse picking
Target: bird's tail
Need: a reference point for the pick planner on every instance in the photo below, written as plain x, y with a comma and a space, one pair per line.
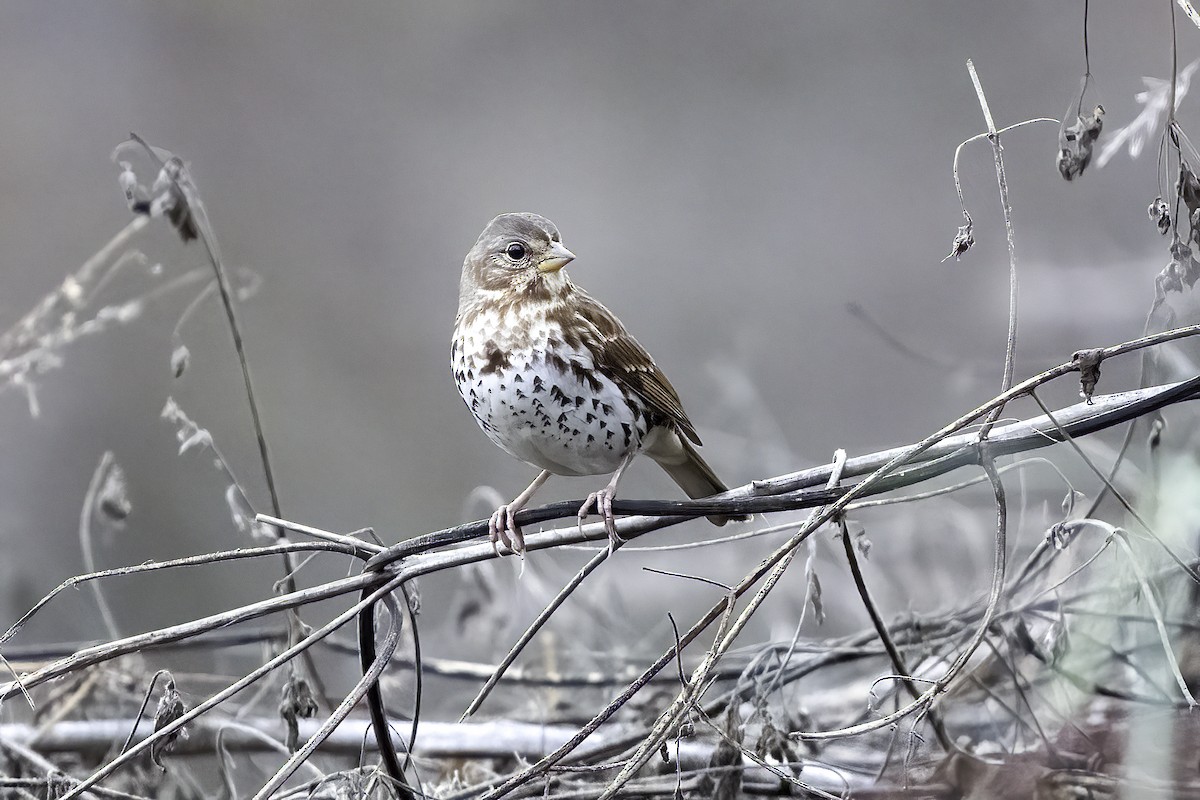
680, 459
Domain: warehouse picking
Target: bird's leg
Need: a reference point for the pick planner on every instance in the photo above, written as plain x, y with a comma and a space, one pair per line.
502, 527
602, 501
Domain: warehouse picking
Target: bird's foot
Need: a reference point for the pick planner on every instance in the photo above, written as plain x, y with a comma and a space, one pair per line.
602, 502
503, 528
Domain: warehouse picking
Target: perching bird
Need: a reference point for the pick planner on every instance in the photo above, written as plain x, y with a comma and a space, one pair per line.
553, 377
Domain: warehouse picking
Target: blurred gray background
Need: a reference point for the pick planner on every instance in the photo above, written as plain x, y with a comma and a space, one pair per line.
731, 177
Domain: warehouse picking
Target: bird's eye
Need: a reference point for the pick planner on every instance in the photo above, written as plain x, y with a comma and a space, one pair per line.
515, 251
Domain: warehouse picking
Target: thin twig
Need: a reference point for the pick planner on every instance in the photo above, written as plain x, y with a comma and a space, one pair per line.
344, 708
251, 732
188, 561
280, 659
1010, 350
132, 644
317, 533
37, 761
86, 515
1087, 58
880, 626
956, 487
958, 152
1174, 69
1000, 556
1156, 612
595, 561
69, 293
137, 718
1127, 505
723, 641
368, 658
186, 190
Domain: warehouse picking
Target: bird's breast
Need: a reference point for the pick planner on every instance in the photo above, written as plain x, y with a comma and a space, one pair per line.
539, 398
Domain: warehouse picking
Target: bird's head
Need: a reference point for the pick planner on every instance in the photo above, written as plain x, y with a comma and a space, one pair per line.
516, 252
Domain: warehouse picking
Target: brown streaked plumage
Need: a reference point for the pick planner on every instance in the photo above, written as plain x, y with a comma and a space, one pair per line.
554, 379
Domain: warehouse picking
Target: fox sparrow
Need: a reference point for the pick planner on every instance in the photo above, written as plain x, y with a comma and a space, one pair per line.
554, 378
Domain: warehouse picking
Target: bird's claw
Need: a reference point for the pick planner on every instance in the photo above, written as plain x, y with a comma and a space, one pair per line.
503, 528
602, 501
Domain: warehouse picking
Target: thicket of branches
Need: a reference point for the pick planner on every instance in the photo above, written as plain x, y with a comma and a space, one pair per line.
1036, 684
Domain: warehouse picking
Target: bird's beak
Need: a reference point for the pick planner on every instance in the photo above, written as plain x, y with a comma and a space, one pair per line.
558, 258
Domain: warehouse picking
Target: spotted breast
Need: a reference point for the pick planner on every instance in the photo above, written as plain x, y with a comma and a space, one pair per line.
539, 399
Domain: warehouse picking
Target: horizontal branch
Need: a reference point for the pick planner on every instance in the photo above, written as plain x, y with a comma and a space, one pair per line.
793, 491
132, 644
491, 739
32, 656
502, 739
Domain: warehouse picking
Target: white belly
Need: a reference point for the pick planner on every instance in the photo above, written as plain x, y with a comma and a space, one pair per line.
548, 417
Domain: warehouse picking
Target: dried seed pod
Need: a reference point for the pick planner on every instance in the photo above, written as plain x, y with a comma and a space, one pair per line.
170, 708
1188, 187
963, 240
1160, 214
1088, 364
113, 500
1184, 264
180, 357
298, 702
1075, 143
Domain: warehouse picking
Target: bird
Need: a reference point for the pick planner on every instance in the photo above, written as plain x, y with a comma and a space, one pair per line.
554, 379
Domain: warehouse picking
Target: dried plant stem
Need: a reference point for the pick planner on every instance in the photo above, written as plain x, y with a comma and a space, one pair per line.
898, 662
185, 192
1010, 350
368, 659
251, 733
92, 737
162, 673
595, 561
280, 659
35, 760
724, 639
345, 707
956, 487
451, 669
1127, 440
141, 641
958, 151
1000, 556
317, 533
240, 347
1160, 626
70, 292
85, 539
189, 561
1174, 70
1191, 573
208, 238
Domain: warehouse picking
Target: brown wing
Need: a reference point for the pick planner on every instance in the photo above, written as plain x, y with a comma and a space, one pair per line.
619, 356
